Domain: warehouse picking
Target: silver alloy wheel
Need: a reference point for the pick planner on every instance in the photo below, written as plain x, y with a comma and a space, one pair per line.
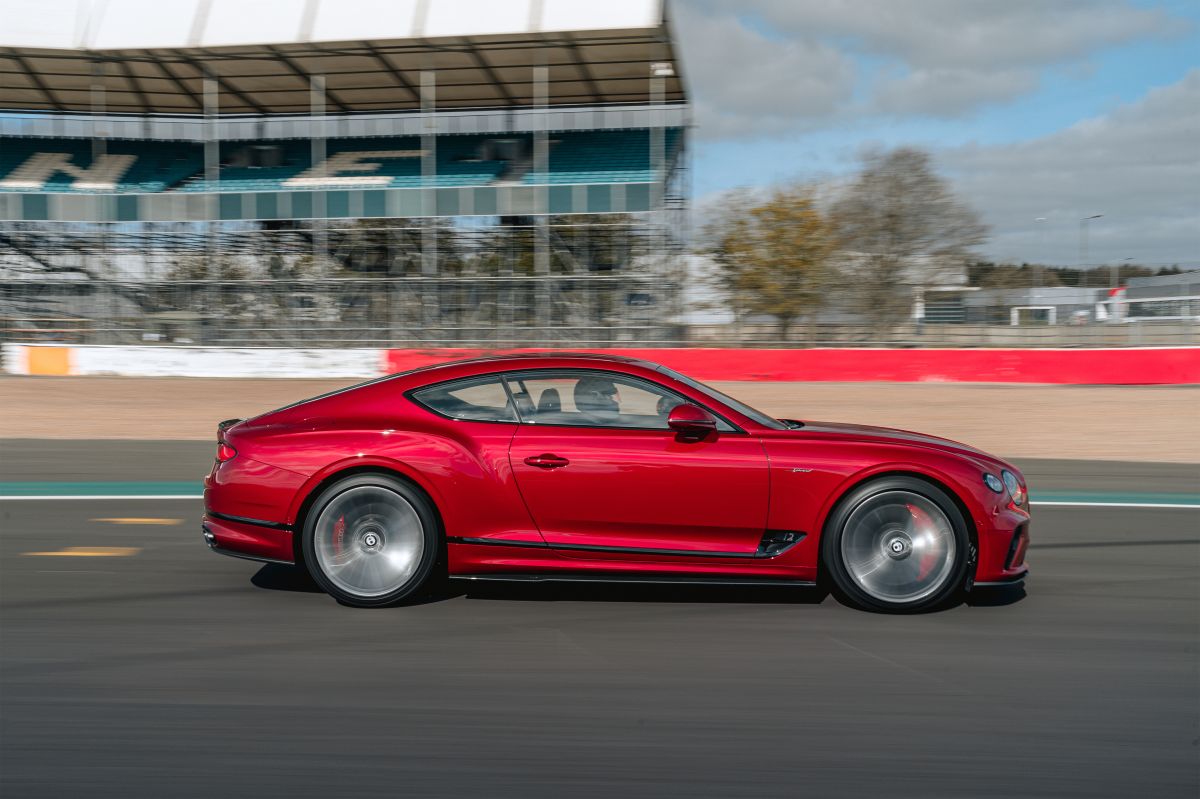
369, 541
898, 546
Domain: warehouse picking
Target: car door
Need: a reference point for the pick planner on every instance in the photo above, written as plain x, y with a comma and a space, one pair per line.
600, 471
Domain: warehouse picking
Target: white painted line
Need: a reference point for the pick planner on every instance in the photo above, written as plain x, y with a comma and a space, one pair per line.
56, 497
1118, 505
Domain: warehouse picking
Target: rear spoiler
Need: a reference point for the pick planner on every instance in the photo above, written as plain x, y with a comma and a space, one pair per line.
225, 425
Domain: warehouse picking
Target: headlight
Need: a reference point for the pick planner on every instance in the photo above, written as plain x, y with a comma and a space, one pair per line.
993, 482
1014, 487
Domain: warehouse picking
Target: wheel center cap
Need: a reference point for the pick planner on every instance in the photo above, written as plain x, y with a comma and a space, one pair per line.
371, 540
897, 545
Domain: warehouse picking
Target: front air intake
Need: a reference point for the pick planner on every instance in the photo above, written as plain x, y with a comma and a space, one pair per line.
1017, 547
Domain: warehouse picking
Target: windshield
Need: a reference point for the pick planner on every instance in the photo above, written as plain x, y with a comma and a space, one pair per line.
739, 406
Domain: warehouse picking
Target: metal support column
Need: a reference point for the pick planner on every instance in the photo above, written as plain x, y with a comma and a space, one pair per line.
317, 146
429, 232
212, 174
658, 216
98, 102
543, 312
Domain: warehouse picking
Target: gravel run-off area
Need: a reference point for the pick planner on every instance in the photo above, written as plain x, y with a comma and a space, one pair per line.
1147, 423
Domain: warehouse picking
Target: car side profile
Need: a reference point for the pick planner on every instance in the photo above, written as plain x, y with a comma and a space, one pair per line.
602, 468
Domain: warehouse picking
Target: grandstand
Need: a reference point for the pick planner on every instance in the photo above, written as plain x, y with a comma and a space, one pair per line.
460, 171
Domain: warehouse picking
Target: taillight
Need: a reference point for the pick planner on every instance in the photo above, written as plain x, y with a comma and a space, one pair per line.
225, 452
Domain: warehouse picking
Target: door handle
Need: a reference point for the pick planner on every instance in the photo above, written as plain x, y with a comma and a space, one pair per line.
546, 461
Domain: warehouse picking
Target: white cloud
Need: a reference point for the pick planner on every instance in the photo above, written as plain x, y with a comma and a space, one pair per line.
962, 33
950, 91
748, 84
939, 57
1139, 166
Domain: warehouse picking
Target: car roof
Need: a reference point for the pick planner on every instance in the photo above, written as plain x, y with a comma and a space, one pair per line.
467, 367
531, 360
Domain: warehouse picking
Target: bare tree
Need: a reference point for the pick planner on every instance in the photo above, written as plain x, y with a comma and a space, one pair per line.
900, 227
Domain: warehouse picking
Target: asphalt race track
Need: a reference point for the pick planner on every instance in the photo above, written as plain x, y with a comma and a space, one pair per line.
151, 667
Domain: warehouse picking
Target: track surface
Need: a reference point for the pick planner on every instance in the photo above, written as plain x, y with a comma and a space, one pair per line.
176, 672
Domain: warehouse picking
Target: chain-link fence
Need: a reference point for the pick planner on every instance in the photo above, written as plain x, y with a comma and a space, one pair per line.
474, 310
616, 280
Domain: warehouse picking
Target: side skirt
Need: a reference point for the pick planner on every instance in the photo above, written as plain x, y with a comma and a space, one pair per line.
775, 543
541, 577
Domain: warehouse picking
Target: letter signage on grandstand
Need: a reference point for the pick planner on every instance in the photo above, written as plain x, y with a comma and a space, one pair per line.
331, 171
103, 175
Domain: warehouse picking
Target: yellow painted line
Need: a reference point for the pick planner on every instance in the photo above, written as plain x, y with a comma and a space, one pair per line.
139, 520
87, 552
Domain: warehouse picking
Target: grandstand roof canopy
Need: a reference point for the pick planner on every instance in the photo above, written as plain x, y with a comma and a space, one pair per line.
151, 55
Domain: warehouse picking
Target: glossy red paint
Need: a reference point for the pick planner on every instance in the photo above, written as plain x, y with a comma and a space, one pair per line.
622, 501
644, 488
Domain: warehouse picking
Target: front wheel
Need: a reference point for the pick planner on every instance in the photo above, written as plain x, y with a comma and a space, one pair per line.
370, 540
897, 544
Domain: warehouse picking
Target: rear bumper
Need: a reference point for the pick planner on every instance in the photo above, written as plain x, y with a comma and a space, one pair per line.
249, 539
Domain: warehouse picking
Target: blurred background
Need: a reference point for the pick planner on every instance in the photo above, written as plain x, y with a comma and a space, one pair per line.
426, 174
972, 218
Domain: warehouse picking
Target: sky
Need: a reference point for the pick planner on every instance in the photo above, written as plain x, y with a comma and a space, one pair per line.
1039, 112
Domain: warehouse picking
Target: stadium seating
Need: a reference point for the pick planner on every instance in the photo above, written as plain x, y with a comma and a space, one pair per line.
69, 165
608, 156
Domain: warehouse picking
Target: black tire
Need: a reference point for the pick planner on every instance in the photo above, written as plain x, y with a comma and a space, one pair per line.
384, 512
866, 547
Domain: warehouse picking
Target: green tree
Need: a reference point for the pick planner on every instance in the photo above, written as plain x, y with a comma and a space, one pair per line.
773, 255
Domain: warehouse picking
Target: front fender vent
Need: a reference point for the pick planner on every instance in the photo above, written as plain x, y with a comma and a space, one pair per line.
776, 542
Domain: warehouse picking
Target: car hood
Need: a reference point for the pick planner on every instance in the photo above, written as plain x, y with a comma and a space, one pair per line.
897, 436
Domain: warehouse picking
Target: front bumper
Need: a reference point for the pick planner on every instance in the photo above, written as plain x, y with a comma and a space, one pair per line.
1002, 545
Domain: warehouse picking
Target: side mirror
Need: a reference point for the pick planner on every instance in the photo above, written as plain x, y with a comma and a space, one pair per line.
691, 420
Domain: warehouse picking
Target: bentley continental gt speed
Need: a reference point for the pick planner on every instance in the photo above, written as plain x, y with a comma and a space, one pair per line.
601, 468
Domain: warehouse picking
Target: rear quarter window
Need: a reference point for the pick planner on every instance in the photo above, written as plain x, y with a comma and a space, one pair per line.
474, 399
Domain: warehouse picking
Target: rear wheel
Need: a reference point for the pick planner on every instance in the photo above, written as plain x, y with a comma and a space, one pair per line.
370, 540
897, 544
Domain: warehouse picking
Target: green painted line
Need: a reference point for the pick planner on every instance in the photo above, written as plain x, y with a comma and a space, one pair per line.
1124, 498
49, 488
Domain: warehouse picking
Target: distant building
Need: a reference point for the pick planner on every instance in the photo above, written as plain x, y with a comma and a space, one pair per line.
1164, 297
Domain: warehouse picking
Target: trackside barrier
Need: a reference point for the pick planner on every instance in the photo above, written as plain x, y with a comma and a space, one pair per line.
134, 361
1125, 366
1147, 366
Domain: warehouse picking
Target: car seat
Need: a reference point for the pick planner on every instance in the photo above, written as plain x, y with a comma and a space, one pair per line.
549, 402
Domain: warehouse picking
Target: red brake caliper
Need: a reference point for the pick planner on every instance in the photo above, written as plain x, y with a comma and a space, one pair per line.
922, 523
339, 533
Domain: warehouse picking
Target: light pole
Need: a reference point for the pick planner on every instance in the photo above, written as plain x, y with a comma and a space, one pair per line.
1037, 266
1083, 239
1115, 272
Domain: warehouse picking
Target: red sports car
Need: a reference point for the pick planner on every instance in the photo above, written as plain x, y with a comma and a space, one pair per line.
600, 468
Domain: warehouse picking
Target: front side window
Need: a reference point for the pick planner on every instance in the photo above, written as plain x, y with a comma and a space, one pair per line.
480, 399
593, 399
